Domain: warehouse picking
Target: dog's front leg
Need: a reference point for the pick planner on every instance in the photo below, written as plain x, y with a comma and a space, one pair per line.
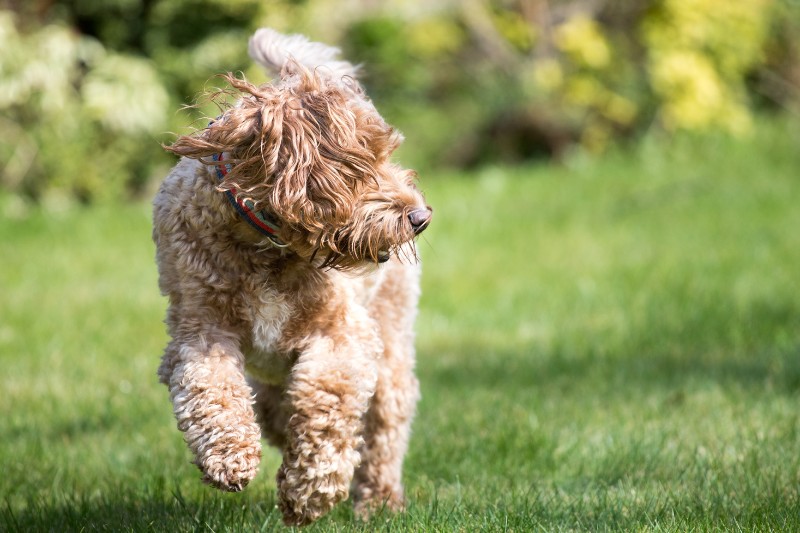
213, 405
329, 392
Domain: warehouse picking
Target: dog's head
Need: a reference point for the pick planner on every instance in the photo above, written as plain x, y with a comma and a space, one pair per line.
314, 153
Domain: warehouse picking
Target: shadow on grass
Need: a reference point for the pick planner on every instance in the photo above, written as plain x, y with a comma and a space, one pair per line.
663, 404
150, 510
171, 511
754, 349
545, 508
776, 370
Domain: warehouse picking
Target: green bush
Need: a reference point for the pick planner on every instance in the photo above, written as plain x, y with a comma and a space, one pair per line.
699, 55
83, 113
88, 88
78, 119
579, 72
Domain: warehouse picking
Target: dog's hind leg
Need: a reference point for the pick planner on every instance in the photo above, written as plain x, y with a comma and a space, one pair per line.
378, 480
271, 412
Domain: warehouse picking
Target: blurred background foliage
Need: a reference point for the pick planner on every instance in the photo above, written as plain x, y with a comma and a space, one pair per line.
90, 88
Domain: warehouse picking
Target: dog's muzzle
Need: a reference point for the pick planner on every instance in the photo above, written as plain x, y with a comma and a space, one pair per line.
419, 220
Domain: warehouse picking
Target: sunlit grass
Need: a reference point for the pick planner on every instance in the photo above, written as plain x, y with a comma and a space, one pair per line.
609, 344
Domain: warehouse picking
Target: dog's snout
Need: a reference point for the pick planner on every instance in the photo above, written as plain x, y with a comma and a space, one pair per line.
420, 218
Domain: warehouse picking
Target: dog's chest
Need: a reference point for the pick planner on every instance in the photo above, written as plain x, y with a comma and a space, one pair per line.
269, 313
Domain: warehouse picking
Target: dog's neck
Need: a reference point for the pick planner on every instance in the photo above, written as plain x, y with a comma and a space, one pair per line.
260, 220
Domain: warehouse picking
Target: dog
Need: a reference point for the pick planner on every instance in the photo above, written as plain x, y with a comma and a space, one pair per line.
285, 240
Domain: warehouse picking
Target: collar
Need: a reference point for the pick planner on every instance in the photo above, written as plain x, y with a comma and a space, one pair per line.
261, 220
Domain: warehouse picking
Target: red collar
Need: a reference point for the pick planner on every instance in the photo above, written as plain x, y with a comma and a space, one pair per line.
261, 220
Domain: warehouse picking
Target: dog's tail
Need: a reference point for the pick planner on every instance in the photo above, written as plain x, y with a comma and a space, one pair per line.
276, 51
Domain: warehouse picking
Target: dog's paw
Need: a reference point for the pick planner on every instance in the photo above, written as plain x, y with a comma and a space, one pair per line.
302, 511
231, 469
303, 500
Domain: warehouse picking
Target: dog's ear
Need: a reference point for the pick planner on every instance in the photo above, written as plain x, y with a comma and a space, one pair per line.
298, 147
312, 179
320, 146
239, 133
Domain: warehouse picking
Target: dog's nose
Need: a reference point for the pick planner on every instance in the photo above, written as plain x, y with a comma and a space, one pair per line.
420, 218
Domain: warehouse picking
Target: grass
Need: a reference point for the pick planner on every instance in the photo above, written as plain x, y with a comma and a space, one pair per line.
612, 344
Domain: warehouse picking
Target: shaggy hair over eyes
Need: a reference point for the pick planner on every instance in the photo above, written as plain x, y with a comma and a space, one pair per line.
305, 150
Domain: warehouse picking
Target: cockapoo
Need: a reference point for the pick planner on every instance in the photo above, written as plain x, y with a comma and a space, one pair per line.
285, 243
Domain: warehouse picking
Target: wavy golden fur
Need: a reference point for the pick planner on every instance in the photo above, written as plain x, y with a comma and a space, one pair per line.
266, 341
325, 153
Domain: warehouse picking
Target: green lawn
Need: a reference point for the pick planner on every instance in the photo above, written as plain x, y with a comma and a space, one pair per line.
610, 344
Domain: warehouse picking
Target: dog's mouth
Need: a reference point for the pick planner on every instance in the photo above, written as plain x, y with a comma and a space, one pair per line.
337, 260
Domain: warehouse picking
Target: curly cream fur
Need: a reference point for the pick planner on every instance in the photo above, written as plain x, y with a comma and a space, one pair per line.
310, 346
